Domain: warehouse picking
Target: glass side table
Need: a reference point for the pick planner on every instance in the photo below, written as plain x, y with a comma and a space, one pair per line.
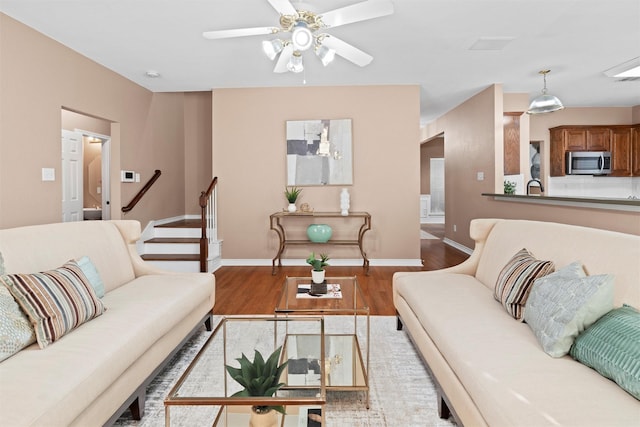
346, 351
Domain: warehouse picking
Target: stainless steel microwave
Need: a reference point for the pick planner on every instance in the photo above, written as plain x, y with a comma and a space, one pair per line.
588, 162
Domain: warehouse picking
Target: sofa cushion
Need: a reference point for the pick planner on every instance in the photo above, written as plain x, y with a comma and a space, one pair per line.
56, 301
515, 281
561, 306
16, 331
610, 346
99, 240
92, 274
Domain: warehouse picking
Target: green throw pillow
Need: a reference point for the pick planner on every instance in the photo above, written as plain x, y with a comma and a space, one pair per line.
610, 346
92, 274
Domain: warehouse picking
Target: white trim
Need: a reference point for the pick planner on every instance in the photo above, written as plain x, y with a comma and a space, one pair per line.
334, 262
458, 246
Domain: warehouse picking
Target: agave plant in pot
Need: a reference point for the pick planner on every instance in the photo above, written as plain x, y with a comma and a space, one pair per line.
260, 379
317, 272
292, 193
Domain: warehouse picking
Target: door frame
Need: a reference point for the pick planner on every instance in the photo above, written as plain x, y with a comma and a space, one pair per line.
105, 170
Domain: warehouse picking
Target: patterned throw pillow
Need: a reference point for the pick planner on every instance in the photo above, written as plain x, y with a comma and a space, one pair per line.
610, 346
16, 331
560, 307
56, 301
515, 281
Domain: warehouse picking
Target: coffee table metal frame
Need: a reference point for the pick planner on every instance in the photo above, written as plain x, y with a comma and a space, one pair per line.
293, 398
352, 303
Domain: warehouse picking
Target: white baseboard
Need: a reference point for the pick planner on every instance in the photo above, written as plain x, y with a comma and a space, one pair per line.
334, 262
458, 246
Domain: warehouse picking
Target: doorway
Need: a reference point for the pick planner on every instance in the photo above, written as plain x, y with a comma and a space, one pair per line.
86, 149
432, 189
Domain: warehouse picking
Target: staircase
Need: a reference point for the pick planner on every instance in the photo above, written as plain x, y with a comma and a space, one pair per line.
175, 245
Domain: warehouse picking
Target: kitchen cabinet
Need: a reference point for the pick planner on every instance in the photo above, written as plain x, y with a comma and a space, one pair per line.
621, 152
635, 150
615, 138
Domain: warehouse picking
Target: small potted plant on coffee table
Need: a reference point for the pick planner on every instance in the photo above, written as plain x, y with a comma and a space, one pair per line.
317, 272
260, 379
292, 193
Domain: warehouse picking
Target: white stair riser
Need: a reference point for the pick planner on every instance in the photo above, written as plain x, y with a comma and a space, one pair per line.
176, 232
171, 248
178, 266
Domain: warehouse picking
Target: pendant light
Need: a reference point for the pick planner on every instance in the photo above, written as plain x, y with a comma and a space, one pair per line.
545, 103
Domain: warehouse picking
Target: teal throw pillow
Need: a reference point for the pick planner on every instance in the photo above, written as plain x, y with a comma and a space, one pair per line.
92, 274
611, 346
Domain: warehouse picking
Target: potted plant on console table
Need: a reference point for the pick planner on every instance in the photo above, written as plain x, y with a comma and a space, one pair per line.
260, 379
292, 193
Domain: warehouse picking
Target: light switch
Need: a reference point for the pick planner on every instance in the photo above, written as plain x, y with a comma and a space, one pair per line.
48, 174
137, 177
480, 176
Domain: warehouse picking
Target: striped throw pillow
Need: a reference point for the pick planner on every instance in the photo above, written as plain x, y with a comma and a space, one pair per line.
56, 301
515, 281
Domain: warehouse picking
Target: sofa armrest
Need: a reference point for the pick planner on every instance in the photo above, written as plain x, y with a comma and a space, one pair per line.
479, 230
131, 232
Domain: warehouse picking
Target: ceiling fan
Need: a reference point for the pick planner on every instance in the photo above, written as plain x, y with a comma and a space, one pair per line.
307, 31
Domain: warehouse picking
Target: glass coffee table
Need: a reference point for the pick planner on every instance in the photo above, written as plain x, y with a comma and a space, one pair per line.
346, 348
203, 394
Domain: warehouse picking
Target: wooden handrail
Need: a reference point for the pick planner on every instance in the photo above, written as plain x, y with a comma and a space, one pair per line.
142, 191
204, 243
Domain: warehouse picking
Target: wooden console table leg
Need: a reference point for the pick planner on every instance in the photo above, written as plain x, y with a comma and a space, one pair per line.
277, 227
366, 226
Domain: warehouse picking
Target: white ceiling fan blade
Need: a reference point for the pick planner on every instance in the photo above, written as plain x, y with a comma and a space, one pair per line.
284, 7
357, 12
239, 32
347, 51
283, 60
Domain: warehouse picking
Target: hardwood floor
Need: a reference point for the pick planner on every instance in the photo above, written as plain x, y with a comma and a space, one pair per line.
253, 290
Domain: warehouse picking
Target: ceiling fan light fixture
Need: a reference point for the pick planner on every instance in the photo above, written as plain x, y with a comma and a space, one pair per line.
545, 103
272, 48
325, 54
295, 63
301, 36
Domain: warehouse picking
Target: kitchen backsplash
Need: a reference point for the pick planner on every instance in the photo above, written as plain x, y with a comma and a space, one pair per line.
593, 186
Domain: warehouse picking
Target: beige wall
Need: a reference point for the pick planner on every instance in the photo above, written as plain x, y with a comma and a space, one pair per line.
472, 131
249, 158
473, 142
38, 78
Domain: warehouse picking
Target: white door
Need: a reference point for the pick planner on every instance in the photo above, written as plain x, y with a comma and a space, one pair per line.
72, 176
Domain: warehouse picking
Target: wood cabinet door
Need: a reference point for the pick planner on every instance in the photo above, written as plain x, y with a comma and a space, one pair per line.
556, 152
599, 139
621, 152
575, 139
635, 151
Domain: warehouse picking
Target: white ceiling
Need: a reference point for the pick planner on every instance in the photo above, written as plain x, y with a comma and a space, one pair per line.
425, 42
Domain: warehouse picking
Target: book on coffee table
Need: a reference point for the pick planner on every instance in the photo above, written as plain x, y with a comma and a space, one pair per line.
333, 291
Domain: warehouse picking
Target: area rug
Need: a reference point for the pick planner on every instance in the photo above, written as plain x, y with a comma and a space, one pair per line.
425, 235
401, 391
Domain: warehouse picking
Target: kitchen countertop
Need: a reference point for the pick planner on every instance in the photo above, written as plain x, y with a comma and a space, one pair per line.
587, 202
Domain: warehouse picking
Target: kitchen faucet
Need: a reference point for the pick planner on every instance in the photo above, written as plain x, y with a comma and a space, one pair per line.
539, 185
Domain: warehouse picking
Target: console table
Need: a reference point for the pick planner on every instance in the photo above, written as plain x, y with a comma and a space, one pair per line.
278, 222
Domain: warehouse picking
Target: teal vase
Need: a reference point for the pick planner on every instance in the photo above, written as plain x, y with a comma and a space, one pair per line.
319, 233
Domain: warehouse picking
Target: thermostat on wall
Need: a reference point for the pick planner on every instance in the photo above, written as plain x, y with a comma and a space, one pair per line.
127, 176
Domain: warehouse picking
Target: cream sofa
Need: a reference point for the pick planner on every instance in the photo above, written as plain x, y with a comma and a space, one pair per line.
489, 368
90, 376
